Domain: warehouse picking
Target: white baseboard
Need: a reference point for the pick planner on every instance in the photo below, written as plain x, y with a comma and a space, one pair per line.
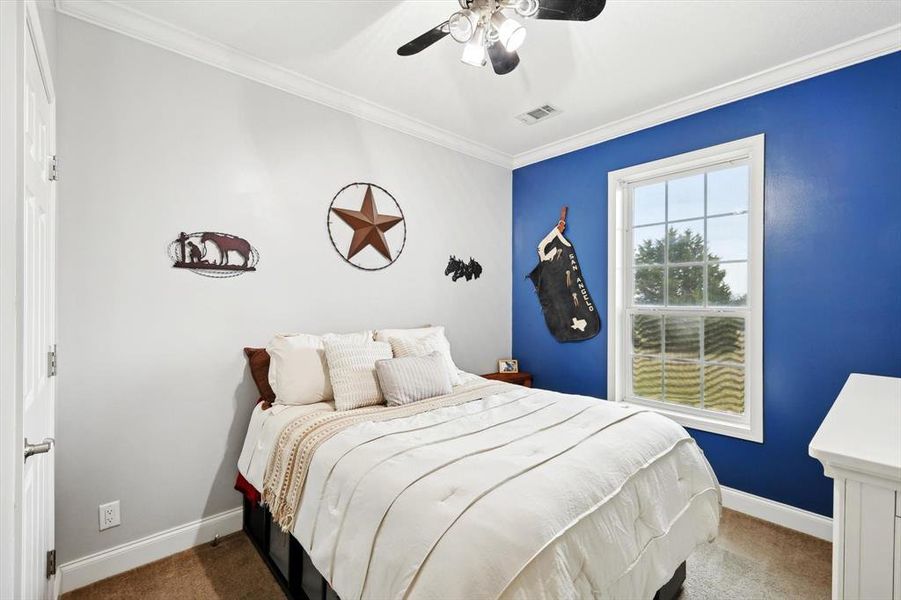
778, 513
106, 563
83, 571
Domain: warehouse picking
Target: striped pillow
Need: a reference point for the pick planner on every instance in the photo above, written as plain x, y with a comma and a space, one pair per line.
411, 378
420, 346
351, 368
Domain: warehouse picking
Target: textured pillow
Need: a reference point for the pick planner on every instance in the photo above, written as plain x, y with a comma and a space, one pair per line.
352, 371
298, 370
420, 346
411, 378
258, 360
384, 335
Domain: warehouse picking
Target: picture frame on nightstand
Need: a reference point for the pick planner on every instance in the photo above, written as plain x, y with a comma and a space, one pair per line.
508, 365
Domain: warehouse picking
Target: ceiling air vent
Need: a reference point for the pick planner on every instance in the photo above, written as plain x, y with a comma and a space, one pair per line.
541, 113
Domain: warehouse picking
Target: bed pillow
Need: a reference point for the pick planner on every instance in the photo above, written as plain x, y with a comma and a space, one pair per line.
412, 378
258, 361
351, 367
384, 335
298, 370
435, 341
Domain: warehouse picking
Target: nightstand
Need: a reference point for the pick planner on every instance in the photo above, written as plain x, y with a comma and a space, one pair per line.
521, 378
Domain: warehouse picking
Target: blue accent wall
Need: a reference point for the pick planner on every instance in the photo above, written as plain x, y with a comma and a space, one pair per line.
832, 254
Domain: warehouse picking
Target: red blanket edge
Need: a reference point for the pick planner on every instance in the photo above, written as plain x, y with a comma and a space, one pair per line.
244, 486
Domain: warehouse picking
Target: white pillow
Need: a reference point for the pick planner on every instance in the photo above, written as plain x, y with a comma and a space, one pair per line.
351, 367
412, 378
384, 335
420, 345
298, 370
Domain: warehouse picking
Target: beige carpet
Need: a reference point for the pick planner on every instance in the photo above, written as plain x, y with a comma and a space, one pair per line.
232, 570
758, 560
750, 559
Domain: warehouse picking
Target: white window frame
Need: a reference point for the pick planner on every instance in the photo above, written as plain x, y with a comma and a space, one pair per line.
750, 150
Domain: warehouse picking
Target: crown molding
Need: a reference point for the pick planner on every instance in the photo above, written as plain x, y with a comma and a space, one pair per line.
114, 15
873, 45
122, 19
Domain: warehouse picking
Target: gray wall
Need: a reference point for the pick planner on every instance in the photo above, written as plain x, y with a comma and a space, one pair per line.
154, 397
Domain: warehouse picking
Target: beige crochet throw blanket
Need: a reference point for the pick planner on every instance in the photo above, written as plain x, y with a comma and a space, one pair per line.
290, 461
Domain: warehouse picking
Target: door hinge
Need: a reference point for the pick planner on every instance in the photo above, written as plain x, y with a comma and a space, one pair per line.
51, 362
51, 563
54, 168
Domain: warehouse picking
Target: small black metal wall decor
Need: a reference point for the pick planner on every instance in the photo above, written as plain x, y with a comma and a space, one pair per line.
362, 235
231, 255
457, 269
568, 310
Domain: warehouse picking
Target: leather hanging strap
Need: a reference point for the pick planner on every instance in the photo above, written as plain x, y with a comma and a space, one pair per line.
561, 224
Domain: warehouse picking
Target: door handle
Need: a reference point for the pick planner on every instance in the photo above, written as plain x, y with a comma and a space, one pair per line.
41, 448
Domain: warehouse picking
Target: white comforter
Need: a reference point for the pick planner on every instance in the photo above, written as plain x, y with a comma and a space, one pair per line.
525, 494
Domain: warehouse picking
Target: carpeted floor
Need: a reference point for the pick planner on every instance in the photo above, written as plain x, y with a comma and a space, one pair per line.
757, 560
232, 570
750, 559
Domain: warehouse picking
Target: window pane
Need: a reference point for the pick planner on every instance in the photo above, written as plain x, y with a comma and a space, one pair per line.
649, 204
683, 383
646, 334
724, 389
683, 337
724, 339
686, 286
647, 378
727, 238
685, 197
647, 244
727, 190
727, 284
649, 285
686, 241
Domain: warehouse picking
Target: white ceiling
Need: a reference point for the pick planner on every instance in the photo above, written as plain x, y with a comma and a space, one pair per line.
636, 56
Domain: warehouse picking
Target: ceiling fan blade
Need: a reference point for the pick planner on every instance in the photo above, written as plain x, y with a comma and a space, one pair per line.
424, 41
569, 10
502, 60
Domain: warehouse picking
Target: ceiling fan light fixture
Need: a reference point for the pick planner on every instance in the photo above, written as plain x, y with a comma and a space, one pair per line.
488, 35
462, 25
526, 8
474, 53
511, 33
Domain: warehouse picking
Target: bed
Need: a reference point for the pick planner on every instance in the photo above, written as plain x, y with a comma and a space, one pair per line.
493, 491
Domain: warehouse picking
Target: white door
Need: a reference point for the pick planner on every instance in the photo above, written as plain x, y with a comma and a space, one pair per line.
38, 322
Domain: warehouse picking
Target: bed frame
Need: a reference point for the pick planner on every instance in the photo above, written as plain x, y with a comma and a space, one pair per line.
292, 568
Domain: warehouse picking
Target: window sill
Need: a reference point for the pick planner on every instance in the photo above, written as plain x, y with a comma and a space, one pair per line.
735, 427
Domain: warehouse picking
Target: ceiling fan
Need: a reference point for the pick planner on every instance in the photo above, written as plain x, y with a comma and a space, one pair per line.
488, 34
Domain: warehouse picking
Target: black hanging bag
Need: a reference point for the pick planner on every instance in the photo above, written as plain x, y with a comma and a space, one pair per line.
569, 312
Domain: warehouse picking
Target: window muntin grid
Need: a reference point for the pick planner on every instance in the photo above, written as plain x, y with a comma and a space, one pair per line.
669, 283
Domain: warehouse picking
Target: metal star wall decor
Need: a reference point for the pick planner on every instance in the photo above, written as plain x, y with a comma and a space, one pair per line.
362, 235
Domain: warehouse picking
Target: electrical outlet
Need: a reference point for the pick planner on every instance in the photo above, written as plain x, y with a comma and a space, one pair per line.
109, 515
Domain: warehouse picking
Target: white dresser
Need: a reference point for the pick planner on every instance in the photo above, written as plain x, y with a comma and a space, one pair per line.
859, 444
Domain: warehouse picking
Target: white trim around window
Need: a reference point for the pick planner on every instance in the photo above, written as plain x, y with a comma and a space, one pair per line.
750, 151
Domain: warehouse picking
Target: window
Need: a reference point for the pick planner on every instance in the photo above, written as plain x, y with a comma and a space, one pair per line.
686, 287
